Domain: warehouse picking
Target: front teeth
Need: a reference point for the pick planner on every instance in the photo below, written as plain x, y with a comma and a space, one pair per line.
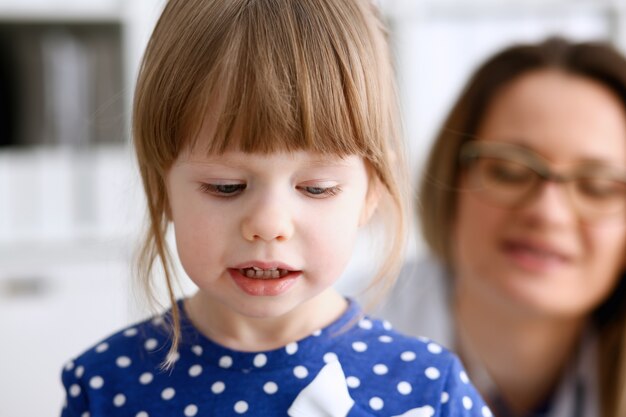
256, 272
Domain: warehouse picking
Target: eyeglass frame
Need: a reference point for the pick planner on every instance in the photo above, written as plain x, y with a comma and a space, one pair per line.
473, 150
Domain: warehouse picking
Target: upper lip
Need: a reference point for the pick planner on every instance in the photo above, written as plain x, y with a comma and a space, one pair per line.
541, 246
267, 265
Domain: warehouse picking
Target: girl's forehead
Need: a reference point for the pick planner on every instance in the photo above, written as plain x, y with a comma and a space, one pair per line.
235, 157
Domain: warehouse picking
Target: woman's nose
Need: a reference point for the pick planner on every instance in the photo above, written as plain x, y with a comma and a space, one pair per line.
268, 218
550, 204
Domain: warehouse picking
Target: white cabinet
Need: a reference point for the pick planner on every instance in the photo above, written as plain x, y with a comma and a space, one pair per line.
69, 218
51, 309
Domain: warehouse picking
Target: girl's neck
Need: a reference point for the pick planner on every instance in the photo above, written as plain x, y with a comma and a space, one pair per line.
523, 357
250, 334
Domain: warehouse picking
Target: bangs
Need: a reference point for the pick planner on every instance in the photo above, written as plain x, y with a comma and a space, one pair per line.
285, 82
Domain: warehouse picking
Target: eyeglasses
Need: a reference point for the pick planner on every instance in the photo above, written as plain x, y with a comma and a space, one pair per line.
510, 176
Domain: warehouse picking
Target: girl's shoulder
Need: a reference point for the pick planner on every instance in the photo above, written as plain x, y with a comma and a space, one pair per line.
145, 341
379, 339
387, 371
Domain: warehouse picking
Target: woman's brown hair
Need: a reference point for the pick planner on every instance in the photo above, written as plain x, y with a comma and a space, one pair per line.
284, 75
437, 200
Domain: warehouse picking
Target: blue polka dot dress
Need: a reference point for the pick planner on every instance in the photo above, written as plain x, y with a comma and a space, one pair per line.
357, 366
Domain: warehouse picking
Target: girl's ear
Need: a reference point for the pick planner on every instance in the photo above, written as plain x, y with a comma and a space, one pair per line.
374, 192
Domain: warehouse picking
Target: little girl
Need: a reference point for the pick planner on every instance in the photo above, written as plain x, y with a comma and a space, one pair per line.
265, 135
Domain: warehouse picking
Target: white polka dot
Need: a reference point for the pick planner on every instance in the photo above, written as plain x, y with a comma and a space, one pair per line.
317, 333
464, 377
191, 410
486, 411
70, 365
151, 344
130, 332
434, 348
123, 361
330, 357
353, 382
404, 388
365, 324
467, 403
79, 371
376, 403
96, 382
195, 370
426, 411
168, 393
300, 372
102, 347
444, 397
380, 369
385, 339
146, 378
241, 407
423, 339
142, 414
226, 362
87, 414
119, 400
218, 387
75, 390
408, 356
158, 321
432, 373
270, 388
359, 346
260, 360
291, 348
387, 325
197, 350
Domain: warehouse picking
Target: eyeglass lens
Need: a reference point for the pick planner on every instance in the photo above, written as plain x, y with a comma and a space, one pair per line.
510, 178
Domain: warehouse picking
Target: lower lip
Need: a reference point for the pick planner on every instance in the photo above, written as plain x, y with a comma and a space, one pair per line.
532, 262
264, 287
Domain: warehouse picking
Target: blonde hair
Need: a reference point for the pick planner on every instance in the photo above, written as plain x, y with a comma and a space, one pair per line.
438, 192
287, 75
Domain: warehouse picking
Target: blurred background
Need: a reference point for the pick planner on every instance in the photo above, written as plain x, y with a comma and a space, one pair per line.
70, 198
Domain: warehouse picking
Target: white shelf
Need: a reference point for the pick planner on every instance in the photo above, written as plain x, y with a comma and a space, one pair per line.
60, 11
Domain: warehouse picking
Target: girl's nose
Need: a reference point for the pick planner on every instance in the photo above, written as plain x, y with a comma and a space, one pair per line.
268, 219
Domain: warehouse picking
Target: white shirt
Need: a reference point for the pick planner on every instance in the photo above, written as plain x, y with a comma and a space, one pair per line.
419, 305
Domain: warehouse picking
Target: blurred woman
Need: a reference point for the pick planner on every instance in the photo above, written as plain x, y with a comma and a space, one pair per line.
523, 207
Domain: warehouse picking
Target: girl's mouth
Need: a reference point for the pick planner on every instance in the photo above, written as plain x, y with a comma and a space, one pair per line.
258, 281
272, 273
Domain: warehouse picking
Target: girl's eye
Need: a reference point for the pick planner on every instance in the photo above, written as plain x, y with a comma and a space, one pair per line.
320, 192
222, 190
